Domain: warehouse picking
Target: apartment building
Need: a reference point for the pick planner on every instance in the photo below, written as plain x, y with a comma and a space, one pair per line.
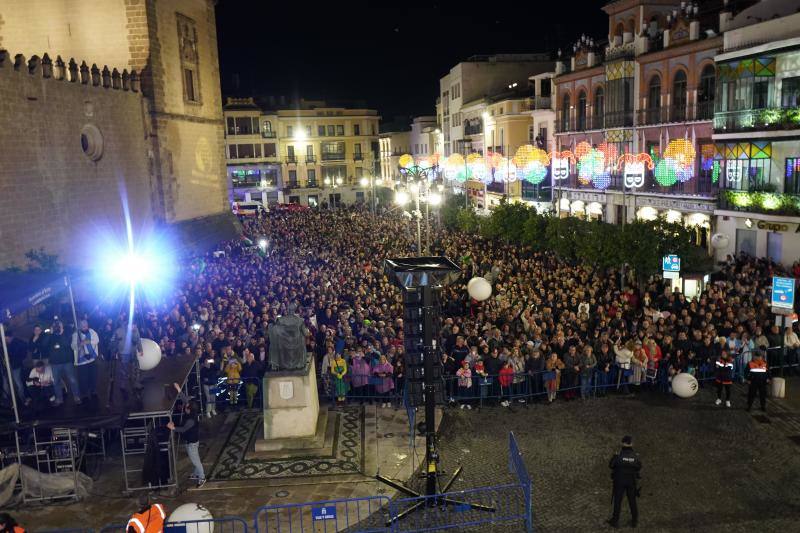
307, 152
757, 133
476, 78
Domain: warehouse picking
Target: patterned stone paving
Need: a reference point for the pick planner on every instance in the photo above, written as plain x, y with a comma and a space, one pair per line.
347, 456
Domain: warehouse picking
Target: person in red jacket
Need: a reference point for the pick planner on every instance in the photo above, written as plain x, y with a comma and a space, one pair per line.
724, 377
506, 379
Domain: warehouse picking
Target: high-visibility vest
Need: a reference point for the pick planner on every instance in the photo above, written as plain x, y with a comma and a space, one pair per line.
149, 521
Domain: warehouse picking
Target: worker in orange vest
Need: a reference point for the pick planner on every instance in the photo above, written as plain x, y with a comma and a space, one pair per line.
9, 525
757, 379
149, 519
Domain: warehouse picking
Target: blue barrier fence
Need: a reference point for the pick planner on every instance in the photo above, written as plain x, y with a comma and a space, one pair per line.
516, 464
327, 516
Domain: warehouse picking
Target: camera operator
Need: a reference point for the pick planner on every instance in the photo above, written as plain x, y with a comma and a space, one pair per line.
40, 386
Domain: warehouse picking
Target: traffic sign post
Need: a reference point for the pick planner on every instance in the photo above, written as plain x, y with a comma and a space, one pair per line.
671, 263
783, 306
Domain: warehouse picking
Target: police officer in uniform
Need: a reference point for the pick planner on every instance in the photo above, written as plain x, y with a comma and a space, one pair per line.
625, 467
757, 379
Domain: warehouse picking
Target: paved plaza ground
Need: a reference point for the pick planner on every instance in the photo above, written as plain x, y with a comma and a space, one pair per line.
706, 468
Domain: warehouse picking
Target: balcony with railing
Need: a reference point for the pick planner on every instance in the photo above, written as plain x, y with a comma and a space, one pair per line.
473, 128
311, 159
766, 119
333, 156
291, 160
619, 119
587, 123
268, 134
675, 113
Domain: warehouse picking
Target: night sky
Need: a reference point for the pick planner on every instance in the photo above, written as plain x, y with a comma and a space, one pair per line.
389, 57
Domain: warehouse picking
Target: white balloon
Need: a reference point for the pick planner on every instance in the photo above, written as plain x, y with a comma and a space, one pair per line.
720, 241
190, 512
684, 385
151, 355
479, 289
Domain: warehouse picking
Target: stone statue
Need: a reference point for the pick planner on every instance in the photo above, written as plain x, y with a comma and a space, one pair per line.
287, 342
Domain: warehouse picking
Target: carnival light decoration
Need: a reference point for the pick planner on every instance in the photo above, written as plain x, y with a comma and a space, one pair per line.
476, 167
677, 164
593, 164
406, 161
559, 161
531, 163
632, 166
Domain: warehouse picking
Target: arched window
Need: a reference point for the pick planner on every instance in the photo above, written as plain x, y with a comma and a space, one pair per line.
598, 110
582, 111
705, 93
565, 113
679, 97
654, 100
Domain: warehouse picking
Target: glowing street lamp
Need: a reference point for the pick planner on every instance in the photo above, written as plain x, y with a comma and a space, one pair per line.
401, 198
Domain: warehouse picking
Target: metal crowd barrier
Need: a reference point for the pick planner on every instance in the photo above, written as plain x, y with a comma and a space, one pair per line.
325, 516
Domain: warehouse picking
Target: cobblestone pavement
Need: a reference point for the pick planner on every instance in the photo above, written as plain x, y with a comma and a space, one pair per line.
706, 468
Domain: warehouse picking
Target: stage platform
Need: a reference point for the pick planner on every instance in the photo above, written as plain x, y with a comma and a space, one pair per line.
157, 399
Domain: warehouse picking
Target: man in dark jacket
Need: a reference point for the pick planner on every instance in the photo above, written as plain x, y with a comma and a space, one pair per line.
190, 431
17, 352
251, 376
625, 467
62, 361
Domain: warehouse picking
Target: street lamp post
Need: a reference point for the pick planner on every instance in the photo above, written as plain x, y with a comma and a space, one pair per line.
420, 187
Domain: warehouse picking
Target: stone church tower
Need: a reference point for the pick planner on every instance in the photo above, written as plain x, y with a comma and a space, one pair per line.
173, 45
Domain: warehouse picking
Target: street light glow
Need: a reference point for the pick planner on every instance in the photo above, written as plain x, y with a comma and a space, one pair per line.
364, 182
434, 198
401, 198
300, 135
414, 187
262, 243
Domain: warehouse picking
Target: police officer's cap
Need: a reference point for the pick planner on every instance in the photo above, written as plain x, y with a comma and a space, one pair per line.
627, 440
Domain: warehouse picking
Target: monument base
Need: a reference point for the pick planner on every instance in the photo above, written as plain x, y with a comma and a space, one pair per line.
291, 403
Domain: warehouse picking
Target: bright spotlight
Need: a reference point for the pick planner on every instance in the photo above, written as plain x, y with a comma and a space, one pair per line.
132, 269
414, 187
401, 198
434, 199
364, 182
262, 243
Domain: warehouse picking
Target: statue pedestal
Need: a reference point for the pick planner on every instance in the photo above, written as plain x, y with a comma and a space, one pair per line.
291, 404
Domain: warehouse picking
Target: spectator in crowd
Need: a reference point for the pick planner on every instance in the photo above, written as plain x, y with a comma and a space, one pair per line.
587, 365
464, 375
40, 386
62, 361
17, 353
251, 376
339, 371
385, 384
86, 346
233, 370
209, 378
554, 367
360, 372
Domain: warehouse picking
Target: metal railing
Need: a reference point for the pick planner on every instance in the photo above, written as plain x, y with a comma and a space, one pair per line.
311, 159
675, 113
772, 118
327, 156
327, 516
291, 159
358, 156
268, 134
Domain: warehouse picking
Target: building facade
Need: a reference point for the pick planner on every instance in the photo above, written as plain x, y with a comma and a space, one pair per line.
393, 144
172, 48
308, 153
475, 78
636, 117
757, 137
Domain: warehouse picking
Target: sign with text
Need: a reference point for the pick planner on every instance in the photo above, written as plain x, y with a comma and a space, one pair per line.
671, 263
782, 293
323, 513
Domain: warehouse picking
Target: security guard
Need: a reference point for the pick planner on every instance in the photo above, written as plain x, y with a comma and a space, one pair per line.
625, 467
149, 519
757, 379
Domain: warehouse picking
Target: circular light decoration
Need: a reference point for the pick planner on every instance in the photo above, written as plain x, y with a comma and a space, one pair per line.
406, 161
532, 163
582, 149
476, 167
592, 168
494, 160
681, 153
665, 173
505, 171
609, 151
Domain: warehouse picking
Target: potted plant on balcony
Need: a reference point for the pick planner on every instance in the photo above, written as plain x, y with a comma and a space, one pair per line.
770, 118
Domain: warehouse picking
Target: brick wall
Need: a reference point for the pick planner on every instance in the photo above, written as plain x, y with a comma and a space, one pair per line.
51, 194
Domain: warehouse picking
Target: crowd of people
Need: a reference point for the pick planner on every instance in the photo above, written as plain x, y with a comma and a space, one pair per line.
550, 327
